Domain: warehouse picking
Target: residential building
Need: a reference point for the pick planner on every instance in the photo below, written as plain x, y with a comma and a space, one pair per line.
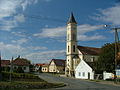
38, 67
22, 63
5, 64
57, 66
84, 70
45, 68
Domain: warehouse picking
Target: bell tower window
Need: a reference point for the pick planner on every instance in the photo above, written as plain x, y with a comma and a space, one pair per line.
68, 48
73, 48
68, 37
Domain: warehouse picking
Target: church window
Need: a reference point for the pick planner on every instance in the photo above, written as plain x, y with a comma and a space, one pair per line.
83, 74
68, 48
79, 73
73, 48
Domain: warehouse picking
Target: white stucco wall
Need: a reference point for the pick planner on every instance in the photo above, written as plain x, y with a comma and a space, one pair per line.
82, 71
107, 75
52, 67
26, 69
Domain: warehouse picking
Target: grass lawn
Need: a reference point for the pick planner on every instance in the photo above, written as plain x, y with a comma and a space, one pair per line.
18, 85
25, 82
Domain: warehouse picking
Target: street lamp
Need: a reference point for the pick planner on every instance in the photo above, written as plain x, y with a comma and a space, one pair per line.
117, 49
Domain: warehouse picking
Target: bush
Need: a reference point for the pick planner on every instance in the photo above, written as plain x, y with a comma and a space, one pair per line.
19, 76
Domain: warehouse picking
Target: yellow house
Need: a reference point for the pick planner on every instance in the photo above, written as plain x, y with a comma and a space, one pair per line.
57, 66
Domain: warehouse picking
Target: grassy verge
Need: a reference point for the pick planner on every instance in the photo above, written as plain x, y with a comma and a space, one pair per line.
25, 81
19, 85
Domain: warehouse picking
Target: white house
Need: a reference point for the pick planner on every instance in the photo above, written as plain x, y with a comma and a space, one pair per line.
21, 62
84, 71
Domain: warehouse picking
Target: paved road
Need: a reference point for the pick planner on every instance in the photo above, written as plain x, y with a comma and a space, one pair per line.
75, 84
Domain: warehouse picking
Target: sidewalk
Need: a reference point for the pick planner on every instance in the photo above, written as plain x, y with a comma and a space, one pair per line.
108, 82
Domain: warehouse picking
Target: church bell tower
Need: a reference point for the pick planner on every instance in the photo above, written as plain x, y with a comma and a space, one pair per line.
71, 46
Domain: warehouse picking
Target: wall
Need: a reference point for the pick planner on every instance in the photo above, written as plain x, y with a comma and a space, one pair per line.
52, 67
107, 75
82, 71
25, 68
45, 69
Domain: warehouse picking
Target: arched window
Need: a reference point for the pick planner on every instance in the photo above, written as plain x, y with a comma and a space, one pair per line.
73, 48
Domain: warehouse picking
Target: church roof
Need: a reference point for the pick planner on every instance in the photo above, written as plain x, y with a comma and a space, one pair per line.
72, 19
89, 50
59, 62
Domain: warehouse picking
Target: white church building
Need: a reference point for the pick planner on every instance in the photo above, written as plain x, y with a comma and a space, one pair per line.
79, 59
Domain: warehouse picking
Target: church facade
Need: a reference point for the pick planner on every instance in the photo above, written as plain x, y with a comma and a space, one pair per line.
75, 53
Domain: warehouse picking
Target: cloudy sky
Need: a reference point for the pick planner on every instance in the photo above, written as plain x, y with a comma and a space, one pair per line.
36, 29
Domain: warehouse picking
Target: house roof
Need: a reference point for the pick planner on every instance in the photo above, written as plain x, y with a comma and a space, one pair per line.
58, 62
72, 19
41, 64
20, 62
5, 63
89, 50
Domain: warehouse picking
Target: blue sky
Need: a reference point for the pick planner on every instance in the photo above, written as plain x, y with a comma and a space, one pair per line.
36, 29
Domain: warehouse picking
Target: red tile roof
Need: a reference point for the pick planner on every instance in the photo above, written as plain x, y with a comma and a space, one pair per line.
20, 62
5, 63
39, 64
59, 62
89, 50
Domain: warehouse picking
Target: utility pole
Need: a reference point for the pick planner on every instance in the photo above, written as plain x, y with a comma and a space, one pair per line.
11, 67
117, 48
0, 68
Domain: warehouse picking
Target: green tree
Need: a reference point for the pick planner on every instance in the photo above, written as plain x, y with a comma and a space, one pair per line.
106, 61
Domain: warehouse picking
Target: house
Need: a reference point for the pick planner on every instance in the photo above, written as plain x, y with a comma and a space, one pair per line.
45, 68
38, 67
21, 63
41, 67
77, 55
84, 71
57, 66
5, 64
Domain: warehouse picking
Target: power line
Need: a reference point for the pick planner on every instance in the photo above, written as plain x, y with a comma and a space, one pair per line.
45, 18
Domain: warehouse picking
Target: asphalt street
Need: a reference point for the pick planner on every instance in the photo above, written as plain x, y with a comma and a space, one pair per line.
76, 84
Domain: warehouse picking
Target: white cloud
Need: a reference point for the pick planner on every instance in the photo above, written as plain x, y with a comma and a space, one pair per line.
110, 15
89, 38
20, 41
19, 18
20, 34
11, 50
45, 56
7, 25
37, 48
52, 32
9, 8
61, 32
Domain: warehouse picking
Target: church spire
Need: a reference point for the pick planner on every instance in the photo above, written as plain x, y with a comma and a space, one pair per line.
72, 19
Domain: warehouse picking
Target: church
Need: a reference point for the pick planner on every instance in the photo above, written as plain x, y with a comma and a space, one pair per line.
78, 58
